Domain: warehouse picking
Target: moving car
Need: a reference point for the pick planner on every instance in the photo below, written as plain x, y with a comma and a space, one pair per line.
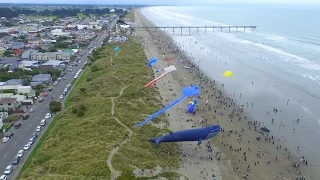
5, 139
20, 153
17, 126
8, 170
31, 110
50, 89
41, 99
38, 129
24, 117
15, 160
3, 177
26, 147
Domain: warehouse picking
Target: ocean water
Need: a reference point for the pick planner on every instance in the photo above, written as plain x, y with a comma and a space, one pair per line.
281, 57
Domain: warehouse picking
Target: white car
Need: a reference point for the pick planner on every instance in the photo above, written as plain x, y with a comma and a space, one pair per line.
31, 140
5, 139
8, 170
26, 147
38, 129
31, 110
3, 177
48, 115
20, 153
61, 97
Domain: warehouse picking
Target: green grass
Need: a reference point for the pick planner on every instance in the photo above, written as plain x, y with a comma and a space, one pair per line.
76, 147
81, 15
39, 17
130, 15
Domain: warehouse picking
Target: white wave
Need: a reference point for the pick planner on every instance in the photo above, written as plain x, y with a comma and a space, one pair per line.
275, 37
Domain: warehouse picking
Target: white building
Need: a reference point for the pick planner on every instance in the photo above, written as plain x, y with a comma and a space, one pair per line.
59, 32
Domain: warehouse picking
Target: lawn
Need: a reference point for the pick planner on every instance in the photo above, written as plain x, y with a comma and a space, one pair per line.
79, 140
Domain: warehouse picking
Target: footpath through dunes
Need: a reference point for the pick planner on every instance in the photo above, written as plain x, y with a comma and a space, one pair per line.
79, 141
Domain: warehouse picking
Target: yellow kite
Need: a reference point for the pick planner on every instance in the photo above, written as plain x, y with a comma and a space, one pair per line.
227, 74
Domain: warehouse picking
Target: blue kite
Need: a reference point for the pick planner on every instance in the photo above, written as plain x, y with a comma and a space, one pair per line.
192, 106
116, 49
190, 91
198, 134
152, 61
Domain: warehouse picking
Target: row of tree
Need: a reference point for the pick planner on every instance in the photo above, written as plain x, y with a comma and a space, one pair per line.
11, 13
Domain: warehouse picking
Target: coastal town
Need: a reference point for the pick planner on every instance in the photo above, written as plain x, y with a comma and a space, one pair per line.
104, 92
41, 56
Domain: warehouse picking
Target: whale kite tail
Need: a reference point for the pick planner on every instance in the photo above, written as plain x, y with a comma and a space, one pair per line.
156, 141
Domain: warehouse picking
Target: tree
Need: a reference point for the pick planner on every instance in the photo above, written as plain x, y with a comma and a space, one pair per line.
38, 35
55, 106
37, 93
7, 53
39, 87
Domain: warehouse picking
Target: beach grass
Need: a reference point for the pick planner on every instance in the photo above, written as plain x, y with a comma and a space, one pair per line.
79, 140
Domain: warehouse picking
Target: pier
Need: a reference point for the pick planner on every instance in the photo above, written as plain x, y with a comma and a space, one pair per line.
176, 29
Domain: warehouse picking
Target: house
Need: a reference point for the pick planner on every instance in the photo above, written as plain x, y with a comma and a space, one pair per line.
13, 82
51, 56
28, 64
17, 45
13, 66
9, 104
17, 52
4, 115
44, 78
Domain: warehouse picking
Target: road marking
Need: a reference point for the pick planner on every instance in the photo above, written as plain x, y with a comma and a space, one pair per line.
29, 125
15, 143
5, 155
47, 104
36, 118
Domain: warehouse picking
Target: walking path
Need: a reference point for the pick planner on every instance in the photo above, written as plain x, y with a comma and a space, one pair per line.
115, 173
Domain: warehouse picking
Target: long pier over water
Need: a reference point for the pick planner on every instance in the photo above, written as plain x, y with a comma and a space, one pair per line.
205, 28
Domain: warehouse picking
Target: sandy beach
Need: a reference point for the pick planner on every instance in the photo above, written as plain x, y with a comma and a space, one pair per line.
235, 152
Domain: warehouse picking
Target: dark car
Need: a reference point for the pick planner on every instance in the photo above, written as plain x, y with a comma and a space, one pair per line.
24, 117
50, 89
15, 160
265, 129
17, 126
9, 134
34, 135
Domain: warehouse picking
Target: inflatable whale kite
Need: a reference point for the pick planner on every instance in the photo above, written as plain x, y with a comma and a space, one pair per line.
198, 134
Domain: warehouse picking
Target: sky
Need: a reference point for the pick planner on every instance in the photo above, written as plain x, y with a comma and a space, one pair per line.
164, 2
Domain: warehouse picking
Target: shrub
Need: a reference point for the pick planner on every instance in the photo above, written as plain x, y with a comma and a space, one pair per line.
74, 110
82, 107
80, 113
55, 106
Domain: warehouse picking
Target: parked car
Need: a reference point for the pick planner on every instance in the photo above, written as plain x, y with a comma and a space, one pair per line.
34, 135
38, 129
26, 147
3, 177
41, 99
24, 117
9, 134
50, 89
61, 97
5, 139
31, 141
17, 126
15, 160
20, 153
8, 170
47, 116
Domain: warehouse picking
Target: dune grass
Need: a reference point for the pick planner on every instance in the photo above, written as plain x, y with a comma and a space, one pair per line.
77, 145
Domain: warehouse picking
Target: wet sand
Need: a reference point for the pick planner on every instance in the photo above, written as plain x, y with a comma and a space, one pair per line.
236, 146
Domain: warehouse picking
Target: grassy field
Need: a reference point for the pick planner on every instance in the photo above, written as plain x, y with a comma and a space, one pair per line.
40, 17
78, 141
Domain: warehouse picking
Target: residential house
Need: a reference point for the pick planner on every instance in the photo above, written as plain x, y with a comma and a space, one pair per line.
13, 66
17, 45
26, 54
9, 104
17, 52
35, 42
13, 82
4, 115
6, 39
24, 64
43, 56
44, 78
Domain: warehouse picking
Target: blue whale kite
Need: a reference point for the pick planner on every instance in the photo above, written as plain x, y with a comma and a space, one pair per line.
189, 91
198, 134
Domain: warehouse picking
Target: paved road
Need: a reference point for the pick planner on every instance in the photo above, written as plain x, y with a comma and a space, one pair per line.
22, 135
